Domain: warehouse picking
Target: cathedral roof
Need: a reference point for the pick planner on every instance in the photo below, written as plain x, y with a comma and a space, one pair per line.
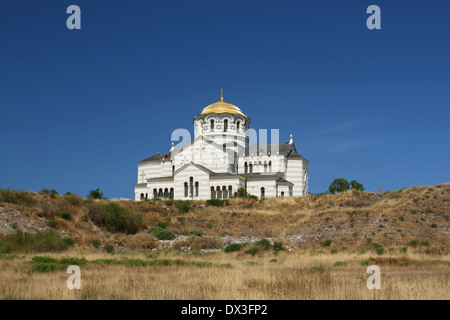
286, 148
158, 157
222, 107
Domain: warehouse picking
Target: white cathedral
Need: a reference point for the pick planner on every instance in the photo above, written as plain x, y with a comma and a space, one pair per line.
220, 160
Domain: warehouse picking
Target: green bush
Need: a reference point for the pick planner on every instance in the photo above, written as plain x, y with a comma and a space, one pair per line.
253, 250
52, 223
233, 247
108, 247
115, 218
380, 251
181, 220
278, 246
264, 243
69, 241
365, 263
182, 206
242, 193
414, 243
217, 202
339, 185
95, 243
377, 245
95, 194
196, 233
162, 234
340, 264
356, 185
162, 224
319, 267
42, 241
326, 243
19, 197
404, 249
66, 215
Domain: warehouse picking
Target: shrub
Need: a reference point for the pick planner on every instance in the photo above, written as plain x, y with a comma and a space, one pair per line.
278, 246
233, 247
182, 206
319, 267
196, 233
95, 194
356, 185
414, 243
181, 220
326, 243
66, 215
69, 241
334, 251
115, 218
19, 197
14, 225
52, 223
163, 224
264, 243
217, 202
253, 250
225, 265
365, 263
95, 243
340, 264
376, 245
242, 193
42, 241
425, 243
162, 234
380, 251
404, 249
434, 225
339, 185
108, 247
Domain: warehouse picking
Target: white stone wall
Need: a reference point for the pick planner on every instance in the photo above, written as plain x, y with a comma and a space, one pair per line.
254, 188
294, 174
199, 175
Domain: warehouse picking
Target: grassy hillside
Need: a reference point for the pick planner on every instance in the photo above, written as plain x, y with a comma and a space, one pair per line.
417, 217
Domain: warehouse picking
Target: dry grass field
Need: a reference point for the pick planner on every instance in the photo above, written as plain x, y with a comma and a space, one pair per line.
233, 276
328, 242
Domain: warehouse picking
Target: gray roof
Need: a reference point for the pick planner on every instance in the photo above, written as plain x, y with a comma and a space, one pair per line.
158, 157
283, 148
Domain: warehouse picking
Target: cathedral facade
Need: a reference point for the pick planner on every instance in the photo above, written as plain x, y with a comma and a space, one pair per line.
220, 160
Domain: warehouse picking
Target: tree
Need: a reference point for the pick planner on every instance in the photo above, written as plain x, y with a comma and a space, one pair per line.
356, 185
95, 194
241, 193
339, 185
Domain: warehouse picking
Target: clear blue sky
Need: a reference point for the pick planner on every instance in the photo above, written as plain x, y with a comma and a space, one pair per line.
80, 108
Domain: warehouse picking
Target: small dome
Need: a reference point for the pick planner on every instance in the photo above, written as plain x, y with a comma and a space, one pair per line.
222, 107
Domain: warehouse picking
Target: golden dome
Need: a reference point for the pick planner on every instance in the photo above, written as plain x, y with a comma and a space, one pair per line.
222, 107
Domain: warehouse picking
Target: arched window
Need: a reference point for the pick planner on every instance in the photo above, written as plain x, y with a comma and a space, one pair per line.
142, 196
219, 193
186, 189
213, 193
238, 126
225, 192
171, 194
166, 193
191, 186
155, 193
196, 188
212, 125
230, 191
245, 167
146, 196
265, 166
250, 167
160, 193
225, 125
263, 191
282, 194
173, 170
270, 166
